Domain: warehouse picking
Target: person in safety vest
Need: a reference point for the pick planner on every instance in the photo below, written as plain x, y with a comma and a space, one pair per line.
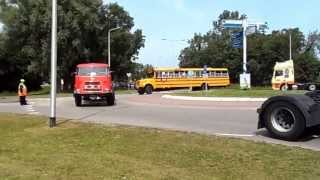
22, 92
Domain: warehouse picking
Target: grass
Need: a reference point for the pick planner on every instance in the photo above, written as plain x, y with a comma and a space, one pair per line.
235, 91
30, 150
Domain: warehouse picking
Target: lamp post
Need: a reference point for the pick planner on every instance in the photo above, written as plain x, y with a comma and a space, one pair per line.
109, 34
53, 92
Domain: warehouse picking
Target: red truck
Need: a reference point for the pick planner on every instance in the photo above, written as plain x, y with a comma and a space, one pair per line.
93, 82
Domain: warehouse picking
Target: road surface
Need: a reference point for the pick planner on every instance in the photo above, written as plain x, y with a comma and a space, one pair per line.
231, 119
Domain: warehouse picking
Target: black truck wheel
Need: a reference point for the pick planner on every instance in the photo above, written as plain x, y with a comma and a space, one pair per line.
110, 99
284, 121
148, 89
78, 100
284, 87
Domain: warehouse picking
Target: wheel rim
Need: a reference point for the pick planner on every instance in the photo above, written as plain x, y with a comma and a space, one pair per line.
284, 87
283, 119
312, 87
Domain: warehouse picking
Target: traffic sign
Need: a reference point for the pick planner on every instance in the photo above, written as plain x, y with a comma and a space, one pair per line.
237, 39
232, 24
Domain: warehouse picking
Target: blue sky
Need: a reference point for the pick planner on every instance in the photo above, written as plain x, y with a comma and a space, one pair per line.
177, 20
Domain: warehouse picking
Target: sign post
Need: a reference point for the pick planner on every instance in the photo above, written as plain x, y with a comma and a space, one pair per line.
205, 74
247, 28
129, 80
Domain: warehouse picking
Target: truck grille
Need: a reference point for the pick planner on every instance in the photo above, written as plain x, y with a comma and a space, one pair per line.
315, 95
92, 86
92, 83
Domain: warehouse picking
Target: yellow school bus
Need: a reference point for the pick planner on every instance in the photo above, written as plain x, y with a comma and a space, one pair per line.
170, 78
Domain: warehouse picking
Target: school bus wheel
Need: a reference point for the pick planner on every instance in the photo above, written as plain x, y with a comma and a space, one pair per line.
148, 89
141, 91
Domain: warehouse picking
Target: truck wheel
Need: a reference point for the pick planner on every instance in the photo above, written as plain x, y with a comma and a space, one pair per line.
312, 87
141, 91
148, 89
78, 100
110, 99
284, 87
284, 121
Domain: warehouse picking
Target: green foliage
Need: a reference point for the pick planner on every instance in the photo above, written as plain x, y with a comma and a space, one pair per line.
264, 50
82, 37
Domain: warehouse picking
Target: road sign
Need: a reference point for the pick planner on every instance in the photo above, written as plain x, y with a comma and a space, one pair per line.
237, 39
232, 24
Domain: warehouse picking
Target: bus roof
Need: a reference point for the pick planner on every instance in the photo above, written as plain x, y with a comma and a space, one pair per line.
189, 69
92, 65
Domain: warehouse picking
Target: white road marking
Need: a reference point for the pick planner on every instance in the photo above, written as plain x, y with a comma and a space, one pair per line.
30, 109
221, 99
234, 135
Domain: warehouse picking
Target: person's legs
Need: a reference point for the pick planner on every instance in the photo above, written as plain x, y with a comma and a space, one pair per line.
24, 102
21, 100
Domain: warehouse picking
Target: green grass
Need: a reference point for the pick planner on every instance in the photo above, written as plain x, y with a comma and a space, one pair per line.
235, 91
30, 150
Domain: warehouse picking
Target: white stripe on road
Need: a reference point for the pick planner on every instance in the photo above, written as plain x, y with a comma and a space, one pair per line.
234, 135
221, 99
30, 109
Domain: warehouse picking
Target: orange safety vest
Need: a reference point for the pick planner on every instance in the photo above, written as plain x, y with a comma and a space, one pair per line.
22, 90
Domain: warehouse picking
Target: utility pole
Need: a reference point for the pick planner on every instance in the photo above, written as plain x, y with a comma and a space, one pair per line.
109, 39
290, 44
53, 92
245, 26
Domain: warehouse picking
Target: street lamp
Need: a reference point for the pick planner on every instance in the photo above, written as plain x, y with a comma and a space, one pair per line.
109, 33
53, 92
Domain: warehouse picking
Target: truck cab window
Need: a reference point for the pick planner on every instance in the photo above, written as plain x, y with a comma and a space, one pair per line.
279, 73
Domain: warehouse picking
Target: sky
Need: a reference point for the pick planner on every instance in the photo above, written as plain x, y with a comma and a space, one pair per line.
168, 24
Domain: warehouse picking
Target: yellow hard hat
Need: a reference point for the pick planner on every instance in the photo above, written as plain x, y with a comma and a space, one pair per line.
22, 80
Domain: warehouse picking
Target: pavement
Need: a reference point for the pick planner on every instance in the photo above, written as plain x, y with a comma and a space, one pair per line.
222, 118
219, 99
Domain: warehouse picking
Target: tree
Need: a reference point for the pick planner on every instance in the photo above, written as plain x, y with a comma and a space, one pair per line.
82, 37
214, 49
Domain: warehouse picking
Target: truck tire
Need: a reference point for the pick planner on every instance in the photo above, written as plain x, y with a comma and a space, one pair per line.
284, 121
78, 100
148, 89
312, 87
141, 91
110, 99
284, 87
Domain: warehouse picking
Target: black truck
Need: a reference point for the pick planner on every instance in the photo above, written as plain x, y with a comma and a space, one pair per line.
288, 117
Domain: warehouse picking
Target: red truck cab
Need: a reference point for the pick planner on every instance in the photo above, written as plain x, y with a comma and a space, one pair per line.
93, 82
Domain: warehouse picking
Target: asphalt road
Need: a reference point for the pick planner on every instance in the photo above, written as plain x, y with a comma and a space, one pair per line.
231, 119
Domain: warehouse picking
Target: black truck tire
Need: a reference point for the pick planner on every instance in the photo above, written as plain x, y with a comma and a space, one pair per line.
284, 121
110, 99
78, 100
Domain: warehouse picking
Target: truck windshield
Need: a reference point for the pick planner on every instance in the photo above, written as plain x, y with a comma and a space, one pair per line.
92, 71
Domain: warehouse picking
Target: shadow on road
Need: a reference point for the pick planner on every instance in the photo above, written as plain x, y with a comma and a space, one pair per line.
310, 134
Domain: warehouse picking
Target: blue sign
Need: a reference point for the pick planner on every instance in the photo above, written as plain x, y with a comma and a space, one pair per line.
232, 26
237, 40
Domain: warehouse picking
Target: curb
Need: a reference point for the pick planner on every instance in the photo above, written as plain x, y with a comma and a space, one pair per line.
224, 99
